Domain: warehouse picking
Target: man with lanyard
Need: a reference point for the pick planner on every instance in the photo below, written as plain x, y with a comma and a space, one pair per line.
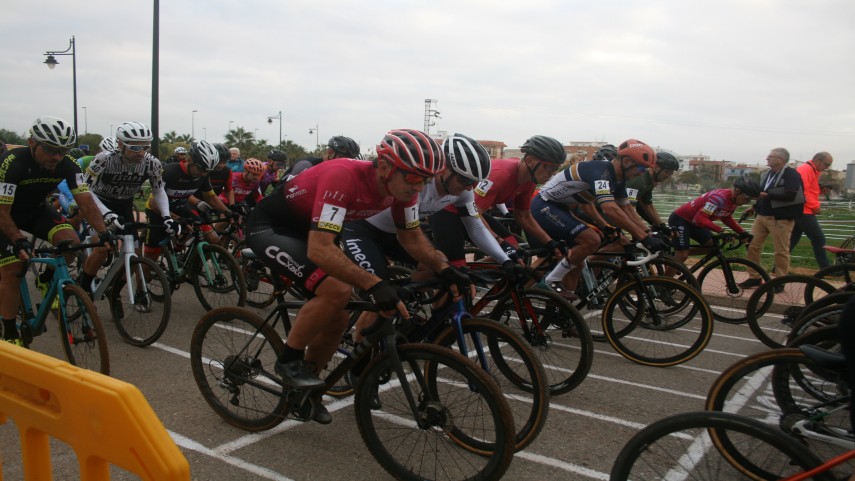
181, 181
778, 205
639, 190
114, 178
584, 184
27, 175
807, 223
294, 231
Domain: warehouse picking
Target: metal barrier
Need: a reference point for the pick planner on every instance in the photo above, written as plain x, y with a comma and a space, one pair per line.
104, 420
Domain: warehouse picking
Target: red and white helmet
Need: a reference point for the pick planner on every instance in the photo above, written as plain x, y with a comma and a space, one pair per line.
413, 151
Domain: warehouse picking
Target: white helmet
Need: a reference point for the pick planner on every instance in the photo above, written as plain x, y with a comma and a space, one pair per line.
204, 155
179, 150
109, 143
53, 131
134, 132
467, 157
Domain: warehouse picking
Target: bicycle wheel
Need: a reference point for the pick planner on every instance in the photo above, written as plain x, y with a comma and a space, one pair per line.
261, 284
826, 316
684, 447
457, 405
512, 364
81, 331
774, 306
748, 388
556, 332
719, 282
142, 321
838, 275
232, 352
658, 333
217, 279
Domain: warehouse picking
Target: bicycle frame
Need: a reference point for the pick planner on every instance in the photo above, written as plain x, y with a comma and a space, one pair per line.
35, 321
128, 252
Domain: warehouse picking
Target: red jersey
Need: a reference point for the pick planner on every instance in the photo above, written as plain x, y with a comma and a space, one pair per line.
501, 186
336, 191
714, 205
243, 188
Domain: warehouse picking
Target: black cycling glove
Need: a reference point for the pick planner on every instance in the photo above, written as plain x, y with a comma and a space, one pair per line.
554, 244
514, 272
452, 276
23, 244
384, 295
746, 236
655, 243
107, 237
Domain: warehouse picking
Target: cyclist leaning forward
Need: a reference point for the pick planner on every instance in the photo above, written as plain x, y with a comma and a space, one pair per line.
181, 181
27, 175
369, 242
694, 219
294, 231
114, 177
583, 184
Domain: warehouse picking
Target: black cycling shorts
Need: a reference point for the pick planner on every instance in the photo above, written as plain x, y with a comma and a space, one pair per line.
369, 247
43, 222
556, 220
685, 230
284, 249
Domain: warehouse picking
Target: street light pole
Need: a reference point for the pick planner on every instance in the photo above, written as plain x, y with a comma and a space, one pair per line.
85, 121
315, 131
193, 125
230, 126
51, 62
429, 113
279, 118
205, 133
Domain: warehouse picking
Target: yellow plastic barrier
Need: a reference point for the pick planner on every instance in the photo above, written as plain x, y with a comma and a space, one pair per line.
105, 421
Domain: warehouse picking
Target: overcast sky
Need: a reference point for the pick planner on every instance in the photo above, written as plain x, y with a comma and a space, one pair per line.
728, 79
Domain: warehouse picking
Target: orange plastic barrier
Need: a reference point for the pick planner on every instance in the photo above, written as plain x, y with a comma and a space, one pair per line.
105, 421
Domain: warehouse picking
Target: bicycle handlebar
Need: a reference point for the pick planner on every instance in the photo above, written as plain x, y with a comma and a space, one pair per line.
648, 256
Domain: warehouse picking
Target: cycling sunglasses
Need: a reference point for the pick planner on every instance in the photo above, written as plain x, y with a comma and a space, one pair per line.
51, 150
138, 148
465, 181
415, 179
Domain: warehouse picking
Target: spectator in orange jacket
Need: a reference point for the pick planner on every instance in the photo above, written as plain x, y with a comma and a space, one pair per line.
807, 223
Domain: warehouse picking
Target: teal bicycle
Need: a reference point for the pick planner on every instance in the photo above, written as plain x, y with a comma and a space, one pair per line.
80, 330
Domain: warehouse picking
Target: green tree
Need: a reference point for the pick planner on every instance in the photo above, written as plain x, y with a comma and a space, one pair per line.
12, 138
169, 137
92, 140
240, 138
689, 177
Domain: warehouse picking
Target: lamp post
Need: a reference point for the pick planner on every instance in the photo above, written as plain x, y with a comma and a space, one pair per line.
205, 133
230, 126
85, 121
255, 135
315, 131
279, 118
193, 125
51, 62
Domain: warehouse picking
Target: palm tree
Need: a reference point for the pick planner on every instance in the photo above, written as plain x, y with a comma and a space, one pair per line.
240, 138
169, 137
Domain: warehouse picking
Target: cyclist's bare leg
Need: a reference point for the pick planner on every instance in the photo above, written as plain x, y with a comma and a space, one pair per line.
9, 282
320, 323
584, 244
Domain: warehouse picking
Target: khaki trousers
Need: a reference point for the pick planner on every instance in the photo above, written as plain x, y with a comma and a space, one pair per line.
781, 229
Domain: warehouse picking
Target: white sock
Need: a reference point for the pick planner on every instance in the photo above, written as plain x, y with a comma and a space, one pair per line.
559, 272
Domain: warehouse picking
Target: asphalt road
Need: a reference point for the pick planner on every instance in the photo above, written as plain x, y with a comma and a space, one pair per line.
585, 430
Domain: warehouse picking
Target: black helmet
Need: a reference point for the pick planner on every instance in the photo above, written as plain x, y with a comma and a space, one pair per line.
344, 147
545, 148
76, 153
606, 152
667, 161
277, 156
747, 187
204, 155
223, 152
467, 157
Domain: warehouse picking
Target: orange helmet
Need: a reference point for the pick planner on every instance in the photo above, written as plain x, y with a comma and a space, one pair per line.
638, 151
253, 166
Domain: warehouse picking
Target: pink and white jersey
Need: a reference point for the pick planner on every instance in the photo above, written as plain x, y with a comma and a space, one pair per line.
340, 190
714, 205
502, 186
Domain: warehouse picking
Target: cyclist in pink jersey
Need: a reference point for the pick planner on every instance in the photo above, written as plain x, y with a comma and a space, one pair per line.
245, 184
295, 230
695, 219
515, 180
